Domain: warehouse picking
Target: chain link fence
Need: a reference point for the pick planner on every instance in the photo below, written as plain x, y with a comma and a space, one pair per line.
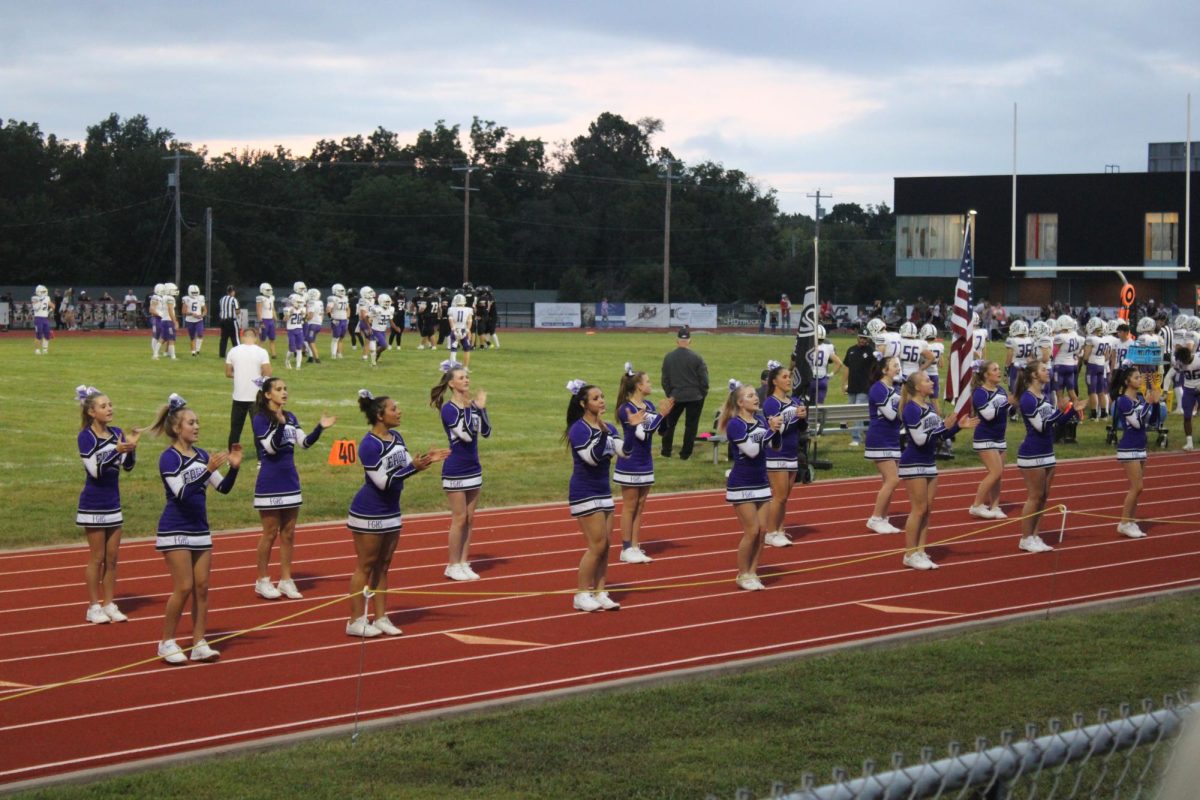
1119, 757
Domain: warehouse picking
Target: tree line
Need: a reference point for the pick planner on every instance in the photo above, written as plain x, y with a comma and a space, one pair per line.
583, 217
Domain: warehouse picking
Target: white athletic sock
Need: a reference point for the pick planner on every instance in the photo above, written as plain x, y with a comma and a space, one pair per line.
496, 340
199, 343
155, 344
171, 349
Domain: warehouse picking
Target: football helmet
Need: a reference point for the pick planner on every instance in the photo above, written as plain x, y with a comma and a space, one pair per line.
339, 290
908, 330
1146, 325
821, 333
158, 288
1040, 328
1019, 328
459, 300
385, 300
1095, 326
876, 326
193, 290
928, 331
299, 288
266, 290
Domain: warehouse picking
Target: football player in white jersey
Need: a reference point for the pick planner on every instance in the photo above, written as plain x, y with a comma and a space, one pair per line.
1018, 352
936, 349
169, 327
1097, 356
1068, 346
979, 338
886, 342
194, 310
42, 307
914, 355
314, 320
295, 315
1186, 364
156, 319
381, 321
1043, 341
362, 310
819, 358
337, 305
265, 312
462, 319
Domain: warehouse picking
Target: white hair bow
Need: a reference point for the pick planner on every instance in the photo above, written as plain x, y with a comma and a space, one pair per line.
447, 365
773, 365
365, 394
574, 386
629, 368
734, 385
175, 402
82, 393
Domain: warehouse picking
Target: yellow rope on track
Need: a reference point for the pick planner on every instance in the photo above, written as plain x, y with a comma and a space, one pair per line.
1059, 508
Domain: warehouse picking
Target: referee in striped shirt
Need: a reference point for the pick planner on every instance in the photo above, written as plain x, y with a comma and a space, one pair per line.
229, 321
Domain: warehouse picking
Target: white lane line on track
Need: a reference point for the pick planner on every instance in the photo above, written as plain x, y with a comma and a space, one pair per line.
569, 532
949, 478
940, 592
1145, 588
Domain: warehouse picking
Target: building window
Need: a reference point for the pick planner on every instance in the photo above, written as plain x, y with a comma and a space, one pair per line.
1041, 238
929, 237
1162, 238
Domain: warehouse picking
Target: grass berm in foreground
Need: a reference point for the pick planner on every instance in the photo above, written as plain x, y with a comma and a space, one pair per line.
695, 737
525, 461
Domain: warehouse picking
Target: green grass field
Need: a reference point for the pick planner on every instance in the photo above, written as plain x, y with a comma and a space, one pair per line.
523, 462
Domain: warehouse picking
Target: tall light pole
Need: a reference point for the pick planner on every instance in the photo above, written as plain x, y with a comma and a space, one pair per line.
668, 163
817, 262
466, 190
174, 180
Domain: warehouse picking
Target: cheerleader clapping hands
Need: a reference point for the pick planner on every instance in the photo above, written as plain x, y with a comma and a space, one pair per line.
747, 487
105, 451
639, 420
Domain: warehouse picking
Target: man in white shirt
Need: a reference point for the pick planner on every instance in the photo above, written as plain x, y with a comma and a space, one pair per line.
131, 307
248, 365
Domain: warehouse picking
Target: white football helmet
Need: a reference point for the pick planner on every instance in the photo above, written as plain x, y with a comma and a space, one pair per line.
908, 330
1040, 328
1065, 323
1095, 326
172, 290
266, 290
385, 300
193, 290
1019, 328
1110, 327
975, 322
159, 288
366, 293
1181, 322
928, 331
459, 300
339, 290
820, 333
296, 300
299, 288
876, 326
313, 294
1146, 325
41, 291
1194, 324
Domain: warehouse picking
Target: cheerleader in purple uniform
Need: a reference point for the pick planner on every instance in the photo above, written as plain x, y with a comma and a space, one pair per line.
105, 451
464, 419
375, 511
183, 535
1138, 413
990, 401
918, 463
883, 437
1035, 457
747, 487
782, 460
634, 473
593, 443
277, 488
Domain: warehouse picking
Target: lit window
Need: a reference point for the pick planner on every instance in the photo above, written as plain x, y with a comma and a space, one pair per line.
1162, 237
1041, 237
929, 237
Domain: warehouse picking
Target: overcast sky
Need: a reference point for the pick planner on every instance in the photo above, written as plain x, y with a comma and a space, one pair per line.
841, 96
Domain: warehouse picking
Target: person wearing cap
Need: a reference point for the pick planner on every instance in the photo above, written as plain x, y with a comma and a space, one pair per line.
685, 382
858, 360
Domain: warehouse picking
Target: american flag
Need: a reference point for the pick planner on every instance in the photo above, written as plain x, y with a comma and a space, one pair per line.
958, 383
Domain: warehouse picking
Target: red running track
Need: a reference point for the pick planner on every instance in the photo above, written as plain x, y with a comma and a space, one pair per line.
838, 584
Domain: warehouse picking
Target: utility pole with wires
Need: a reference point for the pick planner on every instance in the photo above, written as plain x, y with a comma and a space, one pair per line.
817, 259
466, 190
174, 181
669, 164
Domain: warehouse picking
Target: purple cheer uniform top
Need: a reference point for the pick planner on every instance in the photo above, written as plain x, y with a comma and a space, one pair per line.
278, 482
925, 431
461, 470
636, 467
883, 431
184, 521
748, 442
100, 500
992, 407
386, 464
1138, 416
783, 452
592, 449
1041, 418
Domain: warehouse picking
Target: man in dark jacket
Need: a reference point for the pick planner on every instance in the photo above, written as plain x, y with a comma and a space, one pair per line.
858, 360
684, 380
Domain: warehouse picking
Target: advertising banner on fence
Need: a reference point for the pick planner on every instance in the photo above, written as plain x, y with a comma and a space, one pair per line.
694, 315
647, 315
556, 315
